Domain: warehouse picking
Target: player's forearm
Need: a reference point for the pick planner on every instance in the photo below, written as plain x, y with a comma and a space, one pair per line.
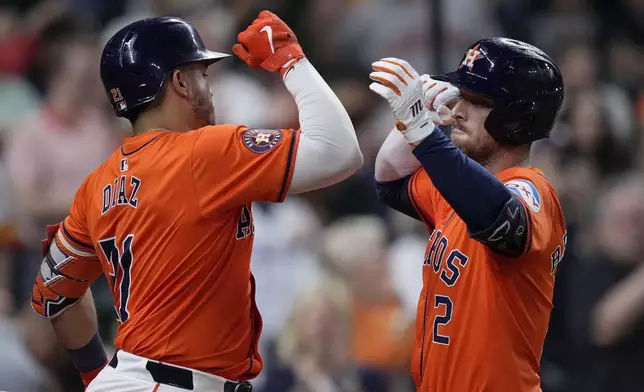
395, 159
76, 329
476, 195
76, 326
328, 150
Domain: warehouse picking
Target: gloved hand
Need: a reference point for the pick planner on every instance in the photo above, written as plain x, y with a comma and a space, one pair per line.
268, 43
400, 84
438, 95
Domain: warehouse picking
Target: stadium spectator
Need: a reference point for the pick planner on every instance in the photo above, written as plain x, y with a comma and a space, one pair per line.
607, 305
355, 248
51, 150
311, 354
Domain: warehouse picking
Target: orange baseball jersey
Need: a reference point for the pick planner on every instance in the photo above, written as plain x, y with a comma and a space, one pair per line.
482, 318
167, 218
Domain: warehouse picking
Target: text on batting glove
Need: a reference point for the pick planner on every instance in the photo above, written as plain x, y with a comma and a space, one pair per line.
397, 82
268, 43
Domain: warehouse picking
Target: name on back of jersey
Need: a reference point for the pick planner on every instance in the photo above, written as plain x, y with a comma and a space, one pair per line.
121, 192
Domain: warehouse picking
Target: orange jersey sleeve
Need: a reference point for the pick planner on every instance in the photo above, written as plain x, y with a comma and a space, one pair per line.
542, 205
69, 264
234, 165
425, 197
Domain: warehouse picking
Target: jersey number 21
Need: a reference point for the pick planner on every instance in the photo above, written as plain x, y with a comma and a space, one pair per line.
120, 259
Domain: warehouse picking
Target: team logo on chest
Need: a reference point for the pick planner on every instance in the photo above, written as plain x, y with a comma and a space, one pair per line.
262, 140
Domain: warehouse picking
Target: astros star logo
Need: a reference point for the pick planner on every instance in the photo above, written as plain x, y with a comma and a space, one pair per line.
471, 56
262, 138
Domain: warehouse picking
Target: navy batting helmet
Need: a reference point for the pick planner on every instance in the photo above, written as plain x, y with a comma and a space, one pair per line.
138, 58
524, 84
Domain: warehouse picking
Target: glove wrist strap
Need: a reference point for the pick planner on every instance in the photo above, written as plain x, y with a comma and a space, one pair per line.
416, 134
289, 66
284, 56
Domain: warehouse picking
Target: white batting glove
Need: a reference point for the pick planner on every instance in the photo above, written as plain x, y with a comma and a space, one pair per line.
399, 83
437, 96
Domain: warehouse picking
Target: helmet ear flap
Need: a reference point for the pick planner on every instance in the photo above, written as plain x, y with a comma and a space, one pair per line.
515, 123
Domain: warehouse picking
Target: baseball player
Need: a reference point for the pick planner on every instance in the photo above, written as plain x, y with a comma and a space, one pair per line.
497, 230
167, 218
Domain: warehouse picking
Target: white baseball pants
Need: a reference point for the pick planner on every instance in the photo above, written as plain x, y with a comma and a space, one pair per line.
131, 375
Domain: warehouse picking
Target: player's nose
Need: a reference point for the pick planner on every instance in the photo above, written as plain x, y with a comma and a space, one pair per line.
459, 109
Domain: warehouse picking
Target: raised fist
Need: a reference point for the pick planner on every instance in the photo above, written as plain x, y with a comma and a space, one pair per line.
398, 82
268, 43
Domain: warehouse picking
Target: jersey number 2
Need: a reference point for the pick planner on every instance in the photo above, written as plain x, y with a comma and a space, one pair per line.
442, 301
121, 262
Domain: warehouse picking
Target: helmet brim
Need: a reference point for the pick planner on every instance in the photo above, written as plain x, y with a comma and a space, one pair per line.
465, 80
450, 77
211, 57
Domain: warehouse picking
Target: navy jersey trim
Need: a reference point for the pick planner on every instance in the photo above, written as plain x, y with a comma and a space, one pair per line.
125, 154
528, 242
74, 239
289, 163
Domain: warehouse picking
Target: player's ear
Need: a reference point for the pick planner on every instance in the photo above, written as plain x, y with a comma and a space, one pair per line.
179, 82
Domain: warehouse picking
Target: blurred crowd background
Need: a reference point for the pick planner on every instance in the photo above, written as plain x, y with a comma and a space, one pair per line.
338, 273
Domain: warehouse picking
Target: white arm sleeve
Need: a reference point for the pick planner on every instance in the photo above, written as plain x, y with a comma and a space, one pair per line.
395, 159
328, 151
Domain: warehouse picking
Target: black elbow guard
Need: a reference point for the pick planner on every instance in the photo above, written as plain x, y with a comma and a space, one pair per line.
508, 236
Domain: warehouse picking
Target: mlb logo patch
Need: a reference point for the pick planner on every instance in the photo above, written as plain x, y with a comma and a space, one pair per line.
262, 140
124, 165
527, 191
